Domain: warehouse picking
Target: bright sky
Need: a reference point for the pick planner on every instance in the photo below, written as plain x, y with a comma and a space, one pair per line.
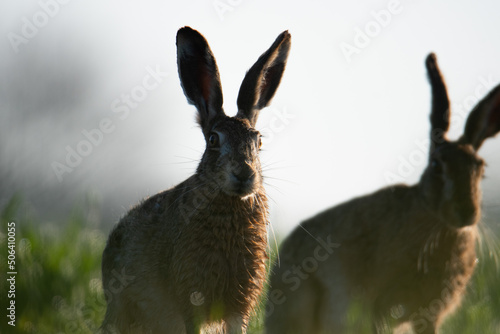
344, 120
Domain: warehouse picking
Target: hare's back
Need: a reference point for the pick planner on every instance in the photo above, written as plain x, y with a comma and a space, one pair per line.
351, 230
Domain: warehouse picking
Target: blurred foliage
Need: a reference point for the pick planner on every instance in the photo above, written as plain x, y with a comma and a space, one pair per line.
59, 290
58, 284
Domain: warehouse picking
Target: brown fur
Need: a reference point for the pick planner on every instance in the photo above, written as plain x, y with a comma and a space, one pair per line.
405, 253
219, 251
195, 255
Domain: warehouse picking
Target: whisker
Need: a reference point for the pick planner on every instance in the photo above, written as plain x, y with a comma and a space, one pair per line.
187, 160
273, 167
489, 243
273, 232
276, 188
312, 236
269, 197
192, 149
281, 179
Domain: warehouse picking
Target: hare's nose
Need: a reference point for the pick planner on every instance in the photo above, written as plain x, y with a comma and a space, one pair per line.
244, 174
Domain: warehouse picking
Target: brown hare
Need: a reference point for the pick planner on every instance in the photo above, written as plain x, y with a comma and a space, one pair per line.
195, 255
405, 253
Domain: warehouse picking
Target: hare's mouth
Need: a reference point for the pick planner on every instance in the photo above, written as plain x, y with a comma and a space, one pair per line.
241, 187
465, 216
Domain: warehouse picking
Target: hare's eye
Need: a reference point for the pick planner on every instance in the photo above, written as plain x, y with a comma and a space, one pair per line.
259, 143
213, 140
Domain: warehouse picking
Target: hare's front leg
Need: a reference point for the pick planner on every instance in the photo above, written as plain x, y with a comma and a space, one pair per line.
334, 303
334, 297
429, 328
235, 324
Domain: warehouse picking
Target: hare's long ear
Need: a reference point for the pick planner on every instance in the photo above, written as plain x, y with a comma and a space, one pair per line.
440, 113
484, 120
263, 78
199, 76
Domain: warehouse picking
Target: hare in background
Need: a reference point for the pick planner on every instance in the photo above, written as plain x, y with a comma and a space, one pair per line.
195, 255
404, 252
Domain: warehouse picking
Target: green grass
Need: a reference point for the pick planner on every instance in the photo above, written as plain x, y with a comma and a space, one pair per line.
58, 285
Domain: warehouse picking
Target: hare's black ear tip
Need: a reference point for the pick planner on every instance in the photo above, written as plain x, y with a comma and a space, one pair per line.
187, 33
431, 56
285, 36
431, 60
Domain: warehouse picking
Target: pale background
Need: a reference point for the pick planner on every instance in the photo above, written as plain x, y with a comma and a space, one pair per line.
350, 124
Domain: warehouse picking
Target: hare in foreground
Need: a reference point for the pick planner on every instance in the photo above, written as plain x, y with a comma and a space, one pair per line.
404, 252
195, 255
